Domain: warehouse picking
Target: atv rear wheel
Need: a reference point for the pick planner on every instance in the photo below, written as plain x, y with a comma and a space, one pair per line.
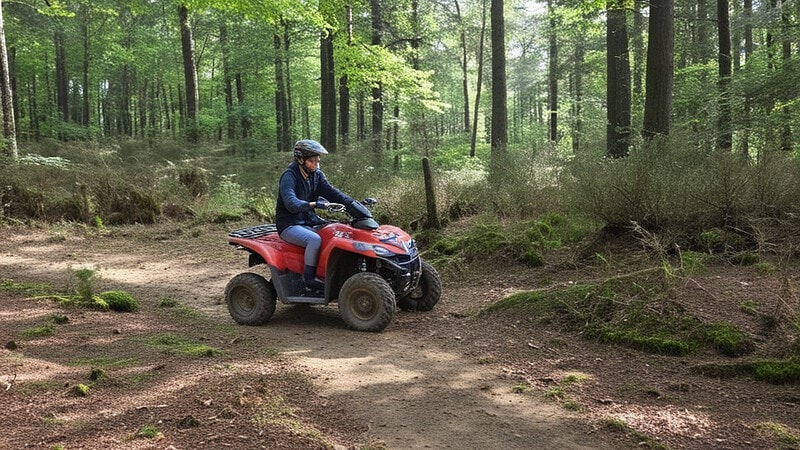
366, 302
251, 299
427, 292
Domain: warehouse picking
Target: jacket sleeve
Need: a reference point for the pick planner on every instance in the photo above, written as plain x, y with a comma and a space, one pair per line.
327, 190
288, 193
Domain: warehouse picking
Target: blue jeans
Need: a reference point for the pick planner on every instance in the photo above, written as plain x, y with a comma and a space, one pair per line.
304, 236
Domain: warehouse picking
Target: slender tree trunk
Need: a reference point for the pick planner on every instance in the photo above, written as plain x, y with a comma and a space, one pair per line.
9, 126
724, 130
464, 65
786, 55
287, 76
638, 50
499, 89
660, 69
281, 110
479, 83
62, 80
189, 75
748, 52
85, 38
327, 92
553, 73
240, 101
377, 91
618, 90
344, 89
577, 129
227, 81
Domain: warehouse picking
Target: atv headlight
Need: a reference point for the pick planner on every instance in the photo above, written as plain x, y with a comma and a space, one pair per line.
382, 251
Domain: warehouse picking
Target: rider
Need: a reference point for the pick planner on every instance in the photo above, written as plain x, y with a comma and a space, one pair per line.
303, 187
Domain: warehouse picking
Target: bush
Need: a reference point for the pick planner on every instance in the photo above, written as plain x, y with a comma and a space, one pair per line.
120, 301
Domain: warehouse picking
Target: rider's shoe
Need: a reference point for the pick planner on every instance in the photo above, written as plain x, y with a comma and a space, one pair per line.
315, 284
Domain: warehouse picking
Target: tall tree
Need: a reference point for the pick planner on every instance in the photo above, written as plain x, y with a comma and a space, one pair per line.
281, 102
724, 130
462, 37
9, 125
479, 82
618, 86
499, 134
344, 88
327, 92
552, 72
660, 69
377, 89
189, 75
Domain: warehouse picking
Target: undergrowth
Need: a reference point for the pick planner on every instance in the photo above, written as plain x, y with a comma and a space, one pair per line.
633, 311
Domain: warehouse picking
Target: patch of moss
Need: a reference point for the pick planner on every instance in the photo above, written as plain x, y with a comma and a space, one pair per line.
181, 346
729, 339
120, 301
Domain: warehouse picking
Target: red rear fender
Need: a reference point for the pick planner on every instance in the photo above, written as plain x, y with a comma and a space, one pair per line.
274, 251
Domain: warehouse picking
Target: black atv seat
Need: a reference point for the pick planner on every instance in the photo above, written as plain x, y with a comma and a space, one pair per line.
254, 231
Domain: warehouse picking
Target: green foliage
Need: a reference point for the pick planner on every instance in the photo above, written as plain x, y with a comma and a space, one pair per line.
781, 432
120, 301
81, 390
180, 346
38, 332
628, 312
26, 288
672, 186
769, 371
166, 301
729, 339
87, 282
524, 241
148, 432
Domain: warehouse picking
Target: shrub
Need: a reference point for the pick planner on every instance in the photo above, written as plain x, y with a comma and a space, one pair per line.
120, 301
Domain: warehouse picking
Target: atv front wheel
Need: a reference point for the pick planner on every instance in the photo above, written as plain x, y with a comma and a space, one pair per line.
427, 292
366, 302
251, 299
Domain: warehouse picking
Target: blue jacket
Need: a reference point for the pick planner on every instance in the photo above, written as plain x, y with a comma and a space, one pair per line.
297, 191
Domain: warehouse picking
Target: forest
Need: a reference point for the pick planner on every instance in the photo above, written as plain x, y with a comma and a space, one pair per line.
664, 113
610, 191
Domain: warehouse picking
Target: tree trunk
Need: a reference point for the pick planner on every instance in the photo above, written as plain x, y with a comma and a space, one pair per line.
240, 101
190, 76
9, 126
577, 128
724, 130
288, 84
227, 81
327, 92
84, 9
377, 91
618, 89
660, 69
499, 90
344, 89
748, 52
552, 75
464, 65
786, 55
62, 81
479, 83
638, 50
281, 112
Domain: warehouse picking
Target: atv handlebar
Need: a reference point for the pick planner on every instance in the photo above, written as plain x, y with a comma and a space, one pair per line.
335, 208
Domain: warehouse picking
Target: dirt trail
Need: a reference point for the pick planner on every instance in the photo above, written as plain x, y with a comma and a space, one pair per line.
414, 386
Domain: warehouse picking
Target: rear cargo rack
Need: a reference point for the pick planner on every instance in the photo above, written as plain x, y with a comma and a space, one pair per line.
254, 232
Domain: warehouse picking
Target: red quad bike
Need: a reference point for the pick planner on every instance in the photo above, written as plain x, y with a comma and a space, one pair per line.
369, 269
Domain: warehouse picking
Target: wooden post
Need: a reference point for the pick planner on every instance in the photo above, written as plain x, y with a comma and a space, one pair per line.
430, 196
